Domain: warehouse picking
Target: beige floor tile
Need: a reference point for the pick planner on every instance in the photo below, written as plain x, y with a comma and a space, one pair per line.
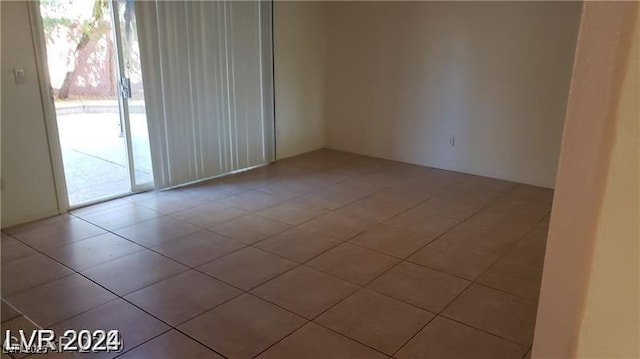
315, 342
419, 286
157, 230
135, 271
209, 215
58, 233
446, 339
29, 272
496, 312
197, 248
8, 312
305, 291
356, 187
60, 300
514, 276
428, 225
470, 195
228, 188
458, 261
299, 244
171, 345
12, 248
247, 268
85, 211
466, 251
288, 188
242, 327
489, 184
292, 212
442, 206
207, 191
250, 229
391, 240
355, 264
14, 230
169, 202
329, 199
438, 221
416, 188
121, 216
531, 249
14, 326
378, 321
341, 225
504, 223
93, 251
252, 201
134, 325
532, 193
330, 176
380, 206
182, 297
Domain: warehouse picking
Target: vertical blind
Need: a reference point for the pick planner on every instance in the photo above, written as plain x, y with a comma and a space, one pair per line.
207, 71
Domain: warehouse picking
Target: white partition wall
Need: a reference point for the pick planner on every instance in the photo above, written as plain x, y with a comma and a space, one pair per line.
208, 78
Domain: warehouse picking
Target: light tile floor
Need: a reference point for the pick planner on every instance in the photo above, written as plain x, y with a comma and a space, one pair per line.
324, 255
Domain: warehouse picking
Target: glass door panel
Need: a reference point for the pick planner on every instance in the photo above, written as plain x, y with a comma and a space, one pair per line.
94, 72
133, 93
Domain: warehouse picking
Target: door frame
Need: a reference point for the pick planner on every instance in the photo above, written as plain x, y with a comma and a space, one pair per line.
48, 106
123, 102
49, 111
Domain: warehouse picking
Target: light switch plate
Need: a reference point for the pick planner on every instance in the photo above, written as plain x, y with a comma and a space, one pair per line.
19, 76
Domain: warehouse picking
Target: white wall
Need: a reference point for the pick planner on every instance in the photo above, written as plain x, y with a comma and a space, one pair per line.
392, 80
299, 49
590, 289
28, 190
403, 77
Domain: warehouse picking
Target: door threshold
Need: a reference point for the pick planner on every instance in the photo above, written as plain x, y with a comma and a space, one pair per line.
105, 199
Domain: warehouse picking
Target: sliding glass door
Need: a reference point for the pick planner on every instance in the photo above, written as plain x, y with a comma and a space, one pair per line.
154, 94
94, 73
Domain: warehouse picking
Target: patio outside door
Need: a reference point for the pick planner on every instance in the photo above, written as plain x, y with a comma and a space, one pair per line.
93, 63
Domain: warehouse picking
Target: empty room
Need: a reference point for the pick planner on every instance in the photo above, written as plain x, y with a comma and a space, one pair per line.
305, 179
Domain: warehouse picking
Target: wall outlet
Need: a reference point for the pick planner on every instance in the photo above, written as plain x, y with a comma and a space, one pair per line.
452, 141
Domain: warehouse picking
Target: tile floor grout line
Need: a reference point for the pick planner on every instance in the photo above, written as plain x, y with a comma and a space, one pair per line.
395, 265
483, 330
150, 248
119, 355
359, 287
518, 296
348, 239
414, 335
511, 247
118, 297
503, 255
304, 264
122, 297
389, 269
434, 317
350, 338
84, 276
469, 284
